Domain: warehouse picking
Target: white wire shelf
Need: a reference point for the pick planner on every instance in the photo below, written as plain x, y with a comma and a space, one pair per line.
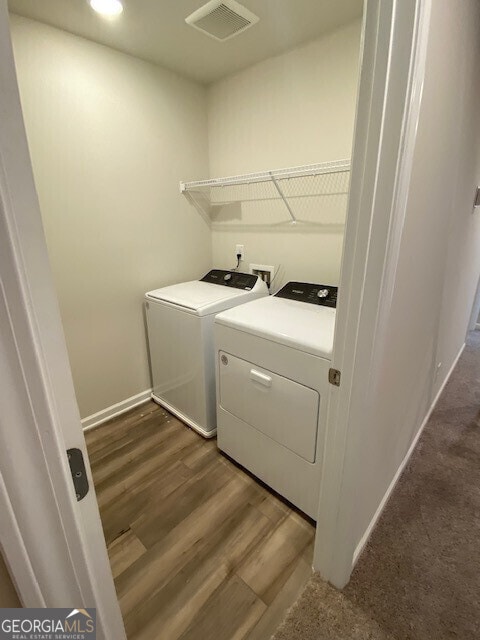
295, 186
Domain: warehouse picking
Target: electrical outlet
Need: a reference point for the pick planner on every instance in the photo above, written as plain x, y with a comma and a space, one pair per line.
240, 251
264, 271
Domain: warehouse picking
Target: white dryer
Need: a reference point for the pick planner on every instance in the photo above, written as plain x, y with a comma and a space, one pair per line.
180, 335
273, 361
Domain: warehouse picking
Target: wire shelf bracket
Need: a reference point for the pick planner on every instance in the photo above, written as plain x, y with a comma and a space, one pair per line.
282, 195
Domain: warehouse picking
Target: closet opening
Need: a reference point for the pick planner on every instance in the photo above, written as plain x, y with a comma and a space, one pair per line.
192, 164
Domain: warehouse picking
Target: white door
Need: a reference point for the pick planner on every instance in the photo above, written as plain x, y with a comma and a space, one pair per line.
53, 544
392, 71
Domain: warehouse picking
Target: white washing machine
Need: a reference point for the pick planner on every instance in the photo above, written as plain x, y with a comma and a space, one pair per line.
180, 336
273, 361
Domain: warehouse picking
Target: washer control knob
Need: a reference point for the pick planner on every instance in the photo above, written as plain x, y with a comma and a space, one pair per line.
227, 277
322, 293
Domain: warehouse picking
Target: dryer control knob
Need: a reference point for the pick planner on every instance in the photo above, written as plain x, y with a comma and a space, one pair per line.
227, 277
323, 293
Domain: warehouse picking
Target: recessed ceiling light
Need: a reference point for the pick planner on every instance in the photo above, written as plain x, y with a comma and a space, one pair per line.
107, 7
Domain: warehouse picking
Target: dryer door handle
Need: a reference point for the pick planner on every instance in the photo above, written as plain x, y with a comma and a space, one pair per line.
256, 376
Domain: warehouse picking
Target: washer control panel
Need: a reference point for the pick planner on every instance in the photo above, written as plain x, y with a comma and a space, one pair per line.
322, 294
232, 279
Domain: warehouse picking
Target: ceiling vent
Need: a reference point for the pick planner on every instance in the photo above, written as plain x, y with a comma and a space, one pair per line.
222, 19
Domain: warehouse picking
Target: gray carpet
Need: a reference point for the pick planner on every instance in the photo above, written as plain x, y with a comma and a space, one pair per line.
419, 577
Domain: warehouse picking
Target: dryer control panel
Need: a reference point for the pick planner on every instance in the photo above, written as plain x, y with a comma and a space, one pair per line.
323, 294
232, 279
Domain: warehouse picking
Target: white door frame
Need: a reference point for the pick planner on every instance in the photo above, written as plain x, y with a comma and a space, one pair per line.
53, 545
391, 83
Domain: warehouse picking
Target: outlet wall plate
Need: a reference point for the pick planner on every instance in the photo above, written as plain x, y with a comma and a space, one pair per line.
240, 251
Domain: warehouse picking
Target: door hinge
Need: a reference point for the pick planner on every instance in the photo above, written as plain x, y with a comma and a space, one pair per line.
79, 474
334, 376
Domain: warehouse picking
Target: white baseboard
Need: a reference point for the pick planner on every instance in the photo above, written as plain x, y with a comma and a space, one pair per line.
364, 539
115, 410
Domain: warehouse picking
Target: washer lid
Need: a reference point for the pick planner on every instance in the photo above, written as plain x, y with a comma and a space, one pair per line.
300, 325
200, 298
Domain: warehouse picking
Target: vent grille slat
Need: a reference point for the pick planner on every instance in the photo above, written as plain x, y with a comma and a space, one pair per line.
222, 19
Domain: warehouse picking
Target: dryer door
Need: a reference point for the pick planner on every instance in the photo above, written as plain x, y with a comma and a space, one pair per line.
283, 410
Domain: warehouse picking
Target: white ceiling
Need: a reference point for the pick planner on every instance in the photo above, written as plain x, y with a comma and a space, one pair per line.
155, 30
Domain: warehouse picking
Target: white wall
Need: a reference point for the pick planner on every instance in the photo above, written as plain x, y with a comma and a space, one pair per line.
463, 247
438, 266
297, 108
110, 137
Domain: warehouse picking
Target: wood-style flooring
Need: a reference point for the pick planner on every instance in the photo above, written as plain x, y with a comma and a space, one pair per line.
199, 550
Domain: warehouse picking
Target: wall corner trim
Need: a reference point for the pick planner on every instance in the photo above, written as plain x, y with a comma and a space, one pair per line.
368, 532
96, 419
